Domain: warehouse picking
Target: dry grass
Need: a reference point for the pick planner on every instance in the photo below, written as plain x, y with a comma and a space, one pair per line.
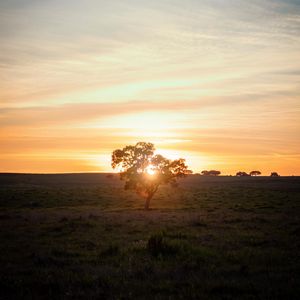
83, 237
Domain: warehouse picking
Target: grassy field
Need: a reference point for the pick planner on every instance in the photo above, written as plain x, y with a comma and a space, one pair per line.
81, 236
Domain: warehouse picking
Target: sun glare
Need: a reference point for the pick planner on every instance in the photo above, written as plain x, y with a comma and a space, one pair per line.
150, 170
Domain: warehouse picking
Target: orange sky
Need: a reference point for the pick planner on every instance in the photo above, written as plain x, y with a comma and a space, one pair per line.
216, 82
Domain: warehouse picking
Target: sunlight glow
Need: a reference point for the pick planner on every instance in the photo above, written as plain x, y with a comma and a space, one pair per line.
150, 170
222, 90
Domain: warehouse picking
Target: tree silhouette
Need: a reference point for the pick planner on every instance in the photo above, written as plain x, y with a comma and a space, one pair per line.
274, 174
144, 172
242, 174
255, 173
210, 173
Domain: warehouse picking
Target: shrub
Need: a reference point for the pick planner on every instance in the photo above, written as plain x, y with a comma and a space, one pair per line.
159, 245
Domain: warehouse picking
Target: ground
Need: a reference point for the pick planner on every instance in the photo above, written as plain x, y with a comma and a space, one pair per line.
81, 236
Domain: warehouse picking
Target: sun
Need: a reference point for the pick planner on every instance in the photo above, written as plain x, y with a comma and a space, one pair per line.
150, 170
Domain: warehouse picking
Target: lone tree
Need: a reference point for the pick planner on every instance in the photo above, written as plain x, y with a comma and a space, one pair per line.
242, 174
144, 172
255, 173
274, 174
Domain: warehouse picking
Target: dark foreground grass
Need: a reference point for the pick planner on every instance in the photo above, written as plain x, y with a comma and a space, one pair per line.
83, 237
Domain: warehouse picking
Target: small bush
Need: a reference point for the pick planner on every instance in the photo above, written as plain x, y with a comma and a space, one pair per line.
155, 244
139, 245
158, 245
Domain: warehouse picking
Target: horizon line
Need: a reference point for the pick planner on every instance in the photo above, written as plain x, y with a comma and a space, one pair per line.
101, 172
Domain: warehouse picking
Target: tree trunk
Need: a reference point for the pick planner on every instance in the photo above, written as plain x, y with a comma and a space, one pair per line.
150, 195
147, 202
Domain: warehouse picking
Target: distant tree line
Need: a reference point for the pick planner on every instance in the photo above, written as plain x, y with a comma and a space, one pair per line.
252, 173
255, 173
238, 174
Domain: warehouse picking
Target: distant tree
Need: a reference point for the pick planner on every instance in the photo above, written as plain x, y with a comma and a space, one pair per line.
214, 173
144, 172
242, 174
255, 173
210, 173
274, 174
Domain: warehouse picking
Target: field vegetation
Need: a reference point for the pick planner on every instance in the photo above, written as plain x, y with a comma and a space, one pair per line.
81, 236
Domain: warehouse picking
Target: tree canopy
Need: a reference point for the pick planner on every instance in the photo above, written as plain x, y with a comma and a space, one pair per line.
210, 173
255, 173
144, 171
274, 174
242, 174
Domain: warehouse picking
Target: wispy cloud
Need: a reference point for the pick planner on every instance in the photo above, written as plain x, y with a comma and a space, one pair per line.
78, 113
106, 67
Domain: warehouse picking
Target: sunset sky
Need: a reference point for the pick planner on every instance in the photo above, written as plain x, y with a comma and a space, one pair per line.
214, 81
